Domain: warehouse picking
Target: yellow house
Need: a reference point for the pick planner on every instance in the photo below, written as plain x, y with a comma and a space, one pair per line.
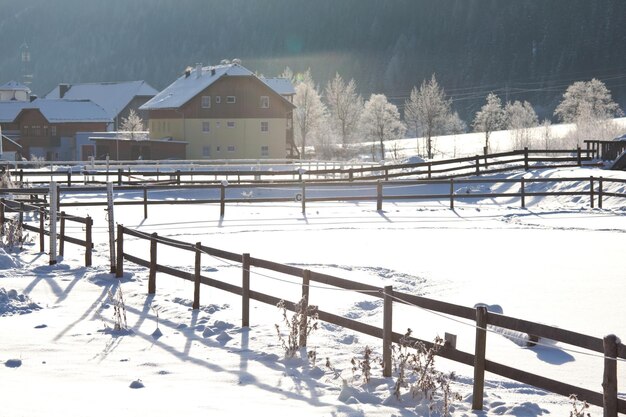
225, 112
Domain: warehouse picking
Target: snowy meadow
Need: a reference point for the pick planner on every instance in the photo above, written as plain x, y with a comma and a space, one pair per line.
556, 262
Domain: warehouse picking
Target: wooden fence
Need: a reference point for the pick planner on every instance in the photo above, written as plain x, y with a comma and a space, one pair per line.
606, 150
449, 168
452, 190
20, 207
609, 347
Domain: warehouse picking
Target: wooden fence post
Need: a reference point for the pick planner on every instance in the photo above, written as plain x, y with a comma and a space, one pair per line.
600, 192
58, 207
526, 167
579, 156
119, 177
303, 198
62, 235
477, 164
119, 269
42, 232
196, 282
145, 202
451, 193
89, 241
20, 217
523, 192
609, 381
222, 200
306, 279
479, 357
2, 203
379, 196
69, 177
178, 177
387, 329
153, 264
430, 170
245, 290
591, 192
350, 175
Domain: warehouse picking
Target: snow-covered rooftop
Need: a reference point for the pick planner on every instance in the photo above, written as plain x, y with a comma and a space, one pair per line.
70, 111
10, 109
282, 86
14, 86
193, 82
113, 97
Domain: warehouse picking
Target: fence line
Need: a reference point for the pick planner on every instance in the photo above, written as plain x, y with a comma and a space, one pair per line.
10, 206
611, 349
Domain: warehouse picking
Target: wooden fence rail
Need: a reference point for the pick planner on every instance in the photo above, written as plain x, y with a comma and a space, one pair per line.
379, 191
8, 206
478, 164
609, 347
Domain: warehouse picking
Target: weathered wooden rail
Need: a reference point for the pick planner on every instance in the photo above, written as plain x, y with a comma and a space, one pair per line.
10, 206
609, 347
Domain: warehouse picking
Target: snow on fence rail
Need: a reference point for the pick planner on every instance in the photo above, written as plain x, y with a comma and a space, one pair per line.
20, 207
609, 348
191, 174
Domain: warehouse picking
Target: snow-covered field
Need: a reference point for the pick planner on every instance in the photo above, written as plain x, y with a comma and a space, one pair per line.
556, 262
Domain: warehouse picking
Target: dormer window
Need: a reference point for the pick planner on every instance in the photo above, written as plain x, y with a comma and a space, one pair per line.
206, 102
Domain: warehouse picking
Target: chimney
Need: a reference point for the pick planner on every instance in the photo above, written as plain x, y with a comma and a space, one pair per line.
63, 89
198, 70
33, 97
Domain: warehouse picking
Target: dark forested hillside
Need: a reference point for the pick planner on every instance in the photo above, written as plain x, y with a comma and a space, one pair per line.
520, 49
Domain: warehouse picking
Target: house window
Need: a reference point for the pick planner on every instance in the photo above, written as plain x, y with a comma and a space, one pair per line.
45, 130
218, 124
218, 148
206, 127
206, 102
53, 130
265, 150
230, 124
218, 99
265, 102
231, 148
231, 99
265, 127
25, 129
206, 151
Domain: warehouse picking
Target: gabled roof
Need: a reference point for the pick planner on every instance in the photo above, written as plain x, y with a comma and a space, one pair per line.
113, 97
192, 83
15, 86
10, 109
69, 111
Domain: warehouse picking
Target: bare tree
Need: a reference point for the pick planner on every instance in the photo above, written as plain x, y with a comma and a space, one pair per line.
309, 111
380, 121
344, 106
428, 110
489, 118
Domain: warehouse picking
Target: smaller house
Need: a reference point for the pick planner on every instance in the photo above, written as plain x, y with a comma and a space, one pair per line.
116, 98
14, 91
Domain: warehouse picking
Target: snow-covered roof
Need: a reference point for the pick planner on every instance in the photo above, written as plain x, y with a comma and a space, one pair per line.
10, 109
113, 97
70, 111
282, 86
192, 83
15, 86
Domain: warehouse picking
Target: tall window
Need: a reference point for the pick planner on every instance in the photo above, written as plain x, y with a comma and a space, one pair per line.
231, 99
265, 150
53, 130
206, 127
206, 102
265, 127
265, 102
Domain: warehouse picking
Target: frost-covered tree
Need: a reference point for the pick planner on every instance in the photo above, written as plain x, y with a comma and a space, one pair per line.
428, 111
344, 107
489, 118
380, 121
519, 119
587, 100
309, 112
132, 124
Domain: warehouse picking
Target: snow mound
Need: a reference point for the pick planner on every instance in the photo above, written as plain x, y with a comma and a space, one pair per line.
6, 260
137, 384
11, 303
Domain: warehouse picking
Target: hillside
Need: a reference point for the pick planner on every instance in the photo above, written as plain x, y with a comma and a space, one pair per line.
522, 50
